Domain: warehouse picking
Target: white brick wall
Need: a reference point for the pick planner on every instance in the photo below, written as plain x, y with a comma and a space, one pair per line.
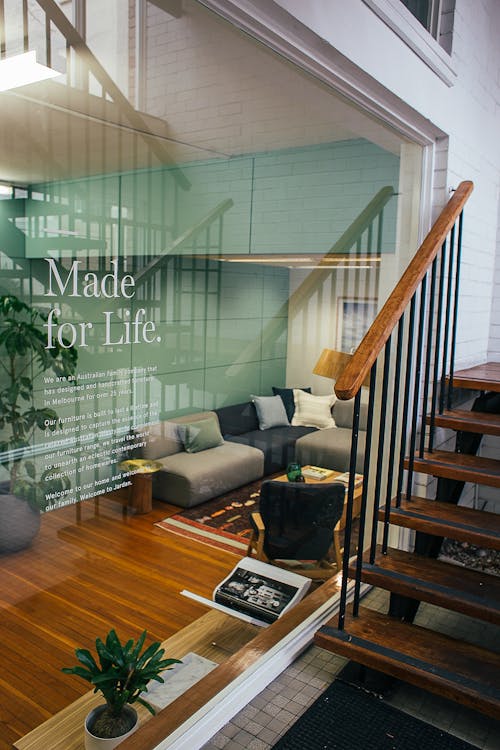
467, 112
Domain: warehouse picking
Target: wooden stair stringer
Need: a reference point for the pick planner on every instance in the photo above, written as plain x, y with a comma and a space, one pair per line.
459, 671
478, 527
453, 587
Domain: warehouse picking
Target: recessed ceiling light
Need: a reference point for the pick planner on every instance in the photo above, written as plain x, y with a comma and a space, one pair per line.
20, 70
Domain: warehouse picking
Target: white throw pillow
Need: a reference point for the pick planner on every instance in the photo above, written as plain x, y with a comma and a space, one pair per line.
313, 411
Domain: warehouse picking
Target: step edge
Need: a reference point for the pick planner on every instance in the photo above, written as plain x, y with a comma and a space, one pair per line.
438, 589
450, 524
457, 413
462, 423
443, 457
480, 688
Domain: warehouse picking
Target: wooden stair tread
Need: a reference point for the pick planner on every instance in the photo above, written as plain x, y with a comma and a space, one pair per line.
447, 519
454, 587
468, 421
484, 377
460, 466
430, 660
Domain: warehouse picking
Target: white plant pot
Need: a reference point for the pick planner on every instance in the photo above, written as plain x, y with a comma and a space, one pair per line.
98, 743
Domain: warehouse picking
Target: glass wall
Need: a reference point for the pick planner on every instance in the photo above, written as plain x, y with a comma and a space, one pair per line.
186, 219
186, 256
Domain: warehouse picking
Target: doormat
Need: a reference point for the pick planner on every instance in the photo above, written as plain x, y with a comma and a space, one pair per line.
223, 522
350, 718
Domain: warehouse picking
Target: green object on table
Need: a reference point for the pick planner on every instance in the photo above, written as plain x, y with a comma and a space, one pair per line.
294, 472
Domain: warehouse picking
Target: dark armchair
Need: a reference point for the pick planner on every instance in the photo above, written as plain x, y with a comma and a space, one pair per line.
296, 522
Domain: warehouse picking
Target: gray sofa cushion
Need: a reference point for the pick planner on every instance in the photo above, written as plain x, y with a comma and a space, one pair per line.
165, 438
330, 449
270, 412
200, 435
342, 411
188, 479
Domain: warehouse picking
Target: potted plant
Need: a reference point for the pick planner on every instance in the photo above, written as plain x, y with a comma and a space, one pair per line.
24, 356
121, 674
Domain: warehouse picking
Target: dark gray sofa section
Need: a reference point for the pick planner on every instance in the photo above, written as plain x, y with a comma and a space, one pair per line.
239, 424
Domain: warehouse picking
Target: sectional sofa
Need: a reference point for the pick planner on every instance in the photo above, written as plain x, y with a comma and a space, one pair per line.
207, 454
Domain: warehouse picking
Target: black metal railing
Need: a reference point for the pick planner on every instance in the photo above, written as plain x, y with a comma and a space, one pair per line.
410, 353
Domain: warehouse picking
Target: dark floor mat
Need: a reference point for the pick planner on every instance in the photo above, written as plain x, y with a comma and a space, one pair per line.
350, 718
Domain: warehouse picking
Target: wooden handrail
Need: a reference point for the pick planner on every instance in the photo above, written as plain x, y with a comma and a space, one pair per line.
352, 378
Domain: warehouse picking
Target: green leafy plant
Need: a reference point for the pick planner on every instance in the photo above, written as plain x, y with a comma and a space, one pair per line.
24, 355
121, 674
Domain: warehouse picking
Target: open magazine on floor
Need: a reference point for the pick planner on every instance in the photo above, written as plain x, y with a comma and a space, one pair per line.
257, 592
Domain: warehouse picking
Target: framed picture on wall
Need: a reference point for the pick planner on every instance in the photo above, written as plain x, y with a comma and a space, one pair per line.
354, 317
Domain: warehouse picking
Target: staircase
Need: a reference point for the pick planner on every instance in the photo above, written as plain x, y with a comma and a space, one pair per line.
416, 396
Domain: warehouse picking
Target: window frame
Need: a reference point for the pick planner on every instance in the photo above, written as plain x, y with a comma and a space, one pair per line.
409, 29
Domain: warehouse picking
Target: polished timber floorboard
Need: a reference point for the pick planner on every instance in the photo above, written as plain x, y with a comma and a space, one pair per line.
86, 573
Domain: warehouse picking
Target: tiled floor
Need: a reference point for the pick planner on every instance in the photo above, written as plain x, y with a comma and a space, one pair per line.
260, 724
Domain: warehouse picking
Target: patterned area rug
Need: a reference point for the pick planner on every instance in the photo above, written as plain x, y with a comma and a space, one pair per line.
223, 522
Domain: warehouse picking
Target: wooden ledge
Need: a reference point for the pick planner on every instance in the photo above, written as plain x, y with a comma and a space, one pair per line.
196, 698
215, 635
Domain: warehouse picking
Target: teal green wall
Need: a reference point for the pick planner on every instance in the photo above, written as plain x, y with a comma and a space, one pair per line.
220, 328
289, 201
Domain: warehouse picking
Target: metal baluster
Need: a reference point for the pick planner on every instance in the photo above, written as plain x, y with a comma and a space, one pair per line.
48, 43
447, 323
406, 401
428, 355
392, 449
435, 377
380, 230
2, 29
369, 238
455, 309
364, 494
416, 390
25, 26
380, 449
350, 496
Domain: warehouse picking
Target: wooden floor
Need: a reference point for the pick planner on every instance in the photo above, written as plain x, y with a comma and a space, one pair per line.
82, 577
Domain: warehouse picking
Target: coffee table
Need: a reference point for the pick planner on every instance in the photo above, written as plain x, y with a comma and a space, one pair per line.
338, 543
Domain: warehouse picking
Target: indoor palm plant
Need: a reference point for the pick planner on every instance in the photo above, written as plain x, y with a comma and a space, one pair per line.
121, 673
24, 356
